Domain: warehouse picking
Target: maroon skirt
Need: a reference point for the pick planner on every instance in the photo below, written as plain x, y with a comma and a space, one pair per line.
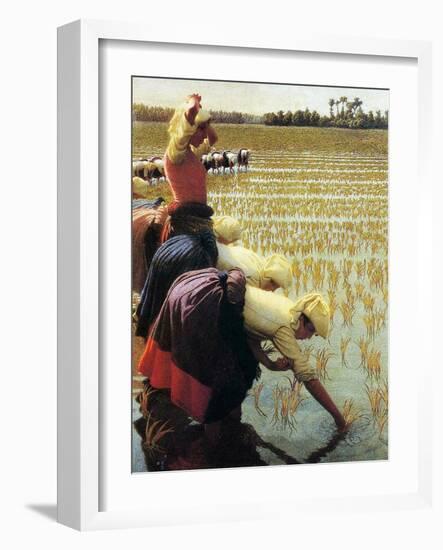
197, 348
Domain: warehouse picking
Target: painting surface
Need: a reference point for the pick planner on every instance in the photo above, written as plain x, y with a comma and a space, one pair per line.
315, 190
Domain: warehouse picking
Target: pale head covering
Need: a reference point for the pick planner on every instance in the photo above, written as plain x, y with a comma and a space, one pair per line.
175, 122
316, 309
202, 117
277, 268
139, 187
226, 228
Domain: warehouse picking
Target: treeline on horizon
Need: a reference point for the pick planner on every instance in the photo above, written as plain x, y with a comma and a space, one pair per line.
148, 113
342, 114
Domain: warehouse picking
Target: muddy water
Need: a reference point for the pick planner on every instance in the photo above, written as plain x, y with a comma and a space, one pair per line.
288, 185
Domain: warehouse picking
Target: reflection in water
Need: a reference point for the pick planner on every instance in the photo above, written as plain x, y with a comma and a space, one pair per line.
172, 441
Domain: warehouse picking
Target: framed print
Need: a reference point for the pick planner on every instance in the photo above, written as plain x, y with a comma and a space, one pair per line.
238, 230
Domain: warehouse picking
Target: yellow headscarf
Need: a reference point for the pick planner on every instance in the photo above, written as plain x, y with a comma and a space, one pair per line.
316, 309
277, 268
226, 228
174, 123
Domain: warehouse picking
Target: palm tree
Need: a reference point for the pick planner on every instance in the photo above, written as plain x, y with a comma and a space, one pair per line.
331, 105
343, 101
356, 103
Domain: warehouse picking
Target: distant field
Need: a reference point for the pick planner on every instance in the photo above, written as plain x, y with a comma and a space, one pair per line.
320, 197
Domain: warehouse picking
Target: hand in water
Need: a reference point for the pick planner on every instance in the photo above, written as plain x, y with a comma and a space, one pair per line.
342, 425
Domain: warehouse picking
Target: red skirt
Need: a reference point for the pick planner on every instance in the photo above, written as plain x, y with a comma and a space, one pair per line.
197, 348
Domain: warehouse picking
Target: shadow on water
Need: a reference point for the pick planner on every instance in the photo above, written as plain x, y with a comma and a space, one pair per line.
323, 451
185, 447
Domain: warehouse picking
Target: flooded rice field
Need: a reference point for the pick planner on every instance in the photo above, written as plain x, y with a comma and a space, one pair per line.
320, 197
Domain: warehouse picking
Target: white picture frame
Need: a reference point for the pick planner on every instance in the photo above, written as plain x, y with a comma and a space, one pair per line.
80, 293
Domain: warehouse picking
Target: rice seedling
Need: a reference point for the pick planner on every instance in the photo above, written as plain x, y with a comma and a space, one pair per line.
332, 308
256, 392
334, 276
375, 398
286, 402
347, 311
318, 275
350, 297
351, 413
359, 290
385, 291
344, 343
307, 262
154, 432
373, 364
370, 323
307, 350
143, 398
276, 404
368, 301
322, 359
381, 420
364, 346
305, 280
384, 392
295, 398
347, 268
360, 269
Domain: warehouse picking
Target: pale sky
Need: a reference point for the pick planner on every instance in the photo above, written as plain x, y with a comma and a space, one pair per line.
250, 97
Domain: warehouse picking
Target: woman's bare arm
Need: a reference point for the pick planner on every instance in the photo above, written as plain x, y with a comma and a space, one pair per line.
318, 391
192, 108
262, 357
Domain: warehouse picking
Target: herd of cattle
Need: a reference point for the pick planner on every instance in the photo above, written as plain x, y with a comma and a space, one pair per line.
218, 161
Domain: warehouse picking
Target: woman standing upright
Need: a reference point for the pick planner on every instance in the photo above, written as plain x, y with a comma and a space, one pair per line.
190, 136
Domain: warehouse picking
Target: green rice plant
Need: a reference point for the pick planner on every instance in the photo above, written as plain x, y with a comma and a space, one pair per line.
154, 432
359, 290
344, 343
375, 398
347, 268
318, 275
384, 392
373, 364
295, 398
276, 404
286, 403
363, 345
305, 280
307, 262
347, 311
351, 413
368, 302
381, 420
322, 358
334, 276
360, 269
332, 309
143, 398
385, 294
307, 350
256, 392
350, 297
